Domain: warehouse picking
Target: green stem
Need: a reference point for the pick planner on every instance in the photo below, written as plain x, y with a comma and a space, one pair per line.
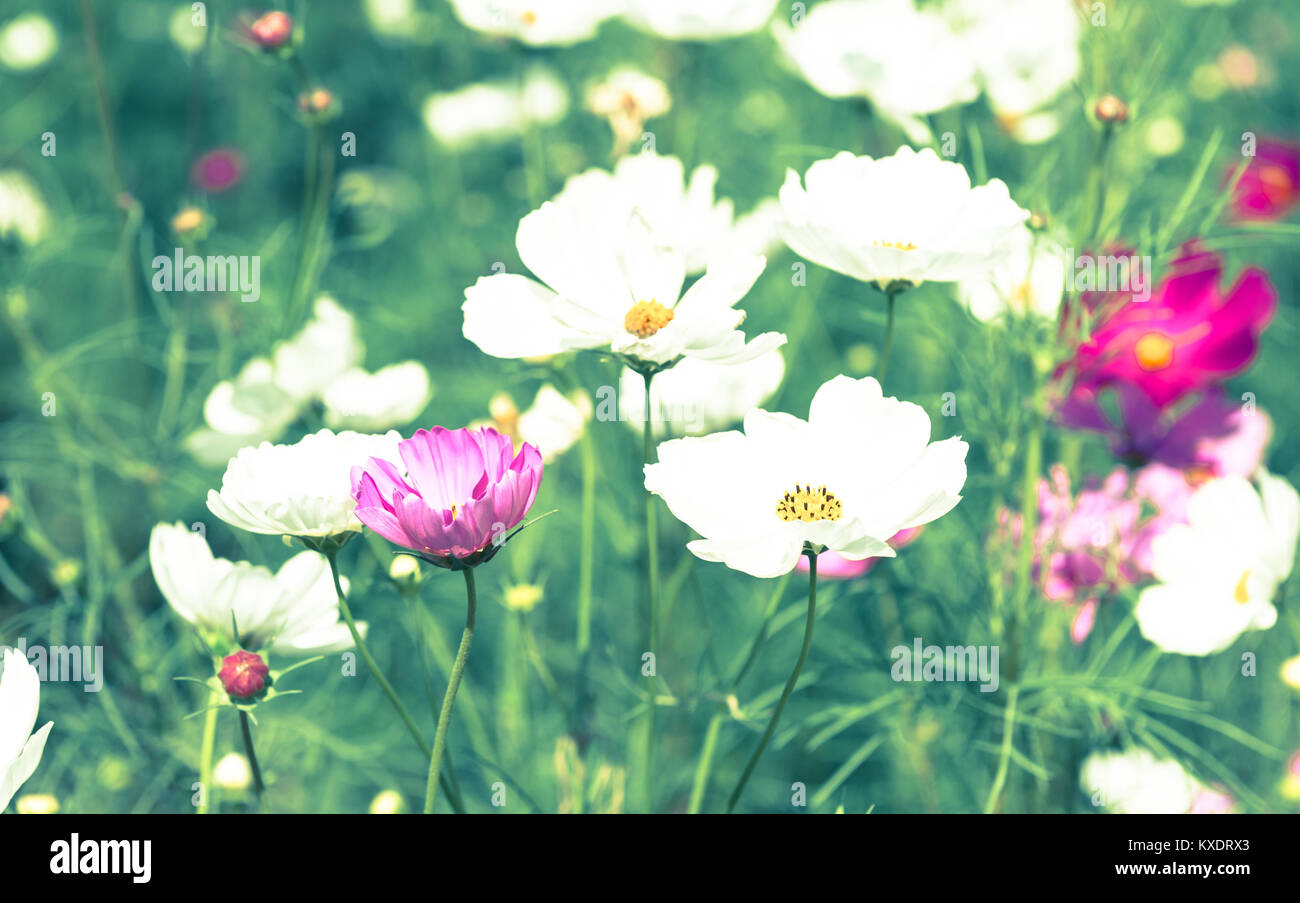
449, 698
652, 585
205, 754
1004, 759
789, 684
586, 551
705, 766
370, 659
889, 335
252, 755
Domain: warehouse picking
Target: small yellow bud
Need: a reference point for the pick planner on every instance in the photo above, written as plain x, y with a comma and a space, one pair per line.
523, 597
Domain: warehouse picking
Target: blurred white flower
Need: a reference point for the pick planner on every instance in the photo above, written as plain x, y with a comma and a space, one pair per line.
1026, 53
536, 22
26, 42
857, 471
756, 232
1135, 782
369, 402
302, 489
495, 111
698, 397
907, 218
552, 423
232, 772
1028, 277
20, 749
1218, 572
627, 98
612, 277
387, 802
23, 214
906, 62
268, 395
691, 20
294, 611
397, 18
37, 804
320, 352
186, 35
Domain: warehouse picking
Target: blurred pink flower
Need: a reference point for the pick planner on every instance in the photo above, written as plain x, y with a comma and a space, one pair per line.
463, 490
837, 567
218, 170
272, 30
1186, 336
1090, 544
1270, 186
1208, 437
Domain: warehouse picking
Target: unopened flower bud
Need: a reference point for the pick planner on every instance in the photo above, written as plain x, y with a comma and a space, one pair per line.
232, 772
243, 674
272, 30
1110, 109
37, 804
387, 802
189, 222
404, 570
318, 104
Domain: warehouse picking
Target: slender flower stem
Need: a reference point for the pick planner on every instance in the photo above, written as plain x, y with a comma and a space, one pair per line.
789, 684
1004, 758
252, 755
370, 659
889, 335
205, 754
705, 766
587, 543
652, 585
449, 698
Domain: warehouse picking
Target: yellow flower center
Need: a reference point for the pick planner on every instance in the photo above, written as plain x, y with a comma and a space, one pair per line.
529, 17
455, 513
896, 245
808, 504
646, 318
1154, 351
1241, 594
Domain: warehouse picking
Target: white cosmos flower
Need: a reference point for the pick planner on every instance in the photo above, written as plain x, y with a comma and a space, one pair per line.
294, 611
610, 280
697, 397
1218, 572
23, 213
1028, 277
20, 749
1026, 52
857, 471
907, 218
391, 396
318, 353
495, 111
627, 98
691, 20
27, 42
552, 423
536, 22
1135, 782
906, 62
302, 489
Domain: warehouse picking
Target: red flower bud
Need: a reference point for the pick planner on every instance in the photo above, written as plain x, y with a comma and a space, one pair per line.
243, 674
273, 30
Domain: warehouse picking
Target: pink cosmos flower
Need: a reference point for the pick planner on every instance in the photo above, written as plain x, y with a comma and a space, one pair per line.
1210, 436
272, 30
1270, 186
218, 170
1186, 336
1090, 544
462, 491
837, 567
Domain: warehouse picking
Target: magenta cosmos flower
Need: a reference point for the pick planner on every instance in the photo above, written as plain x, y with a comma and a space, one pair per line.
462, 492
1270, 186
1186, 336
218, 170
